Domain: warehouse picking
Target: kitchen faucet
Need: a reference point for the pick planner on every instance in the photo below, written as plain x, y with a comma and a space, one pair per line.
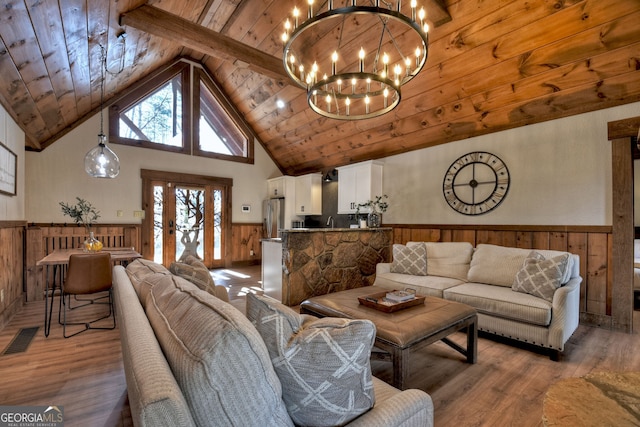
330, 221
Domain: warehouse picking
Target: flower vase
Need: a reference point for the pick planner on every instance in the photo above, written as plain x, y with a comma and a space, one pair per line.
374, 218
92, 244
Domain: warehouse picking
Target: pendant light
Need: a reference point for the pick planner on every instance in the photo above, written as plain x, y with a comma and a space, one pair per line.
101, 161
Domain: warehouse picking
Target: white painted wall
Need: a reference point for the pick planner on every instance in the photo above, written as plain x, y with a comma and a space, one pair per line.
560, 174
57, 174
12, 208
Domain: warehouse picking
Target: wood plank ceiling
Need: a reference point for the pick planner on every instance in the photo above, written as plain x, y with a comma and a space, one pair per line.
497, 64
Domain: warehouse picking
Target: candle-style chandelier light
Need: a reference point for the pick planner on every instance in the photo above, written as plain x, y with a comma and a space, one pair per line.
354, 59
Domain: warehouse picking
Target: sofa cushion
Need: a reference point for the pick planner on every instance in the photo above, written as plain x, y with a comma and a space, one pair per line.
540, 276
449, 259
424, 285
502, 302
323, 364
141, 269
217, 356
498, 265
409, 259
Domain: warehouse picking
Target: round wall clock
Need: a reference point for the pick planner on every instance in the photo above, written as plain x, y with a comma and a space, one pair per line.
476, 183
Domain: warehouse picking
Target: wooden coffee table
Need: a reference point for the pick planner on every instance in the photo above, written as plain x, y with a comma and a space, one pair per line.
405, 330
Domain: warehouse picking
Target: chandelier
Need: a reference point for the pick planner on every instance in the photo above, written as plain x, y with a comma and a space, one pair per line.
354, 59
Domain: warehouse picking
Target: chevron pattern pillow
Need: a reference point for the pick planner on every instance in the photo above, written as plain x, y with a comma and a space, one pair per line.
539, 276
323, 364
410, 259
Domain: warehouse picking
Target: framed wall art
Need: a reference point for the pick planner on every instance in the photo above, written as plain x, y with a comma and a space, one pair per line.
8, 170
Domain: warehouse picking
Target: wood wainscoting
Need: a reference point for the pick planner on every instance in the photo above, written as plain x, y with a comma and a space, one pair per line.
592, 243
41, 239
11, 265
245, 241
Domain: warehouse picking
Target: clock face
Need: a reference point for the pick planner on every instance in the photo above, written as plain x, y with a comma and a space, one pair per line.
476, 183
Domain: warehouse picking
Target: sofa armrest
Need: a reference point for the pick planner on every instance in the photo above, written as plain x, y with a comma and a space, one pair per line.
383, 267
565, 314
154, 395
407, 409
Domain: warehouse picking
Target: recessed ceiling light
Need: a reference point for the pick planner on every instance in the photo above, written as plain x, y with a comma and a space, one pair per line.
280, 103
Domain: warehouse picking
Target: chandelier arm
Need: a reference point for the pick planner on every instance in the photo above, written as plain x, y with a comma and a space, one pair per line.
377, 58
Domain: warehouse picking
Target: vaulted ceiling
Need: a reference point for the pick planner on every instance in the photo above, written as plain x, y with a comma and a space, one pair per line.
493, 65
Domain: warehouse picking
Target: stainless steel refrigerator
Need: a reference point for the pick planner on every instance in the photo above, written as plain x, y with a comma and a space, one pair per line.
273, 217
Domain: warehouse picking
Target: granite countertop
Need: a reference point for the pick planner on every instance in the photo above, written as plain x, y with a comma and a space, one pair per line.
328, 229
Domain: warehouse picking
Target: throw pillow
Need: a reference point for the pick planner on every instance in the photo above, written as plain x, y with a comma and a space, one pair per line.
323, 364
197, 274
409, 259
217, 357
540, 276
141, 273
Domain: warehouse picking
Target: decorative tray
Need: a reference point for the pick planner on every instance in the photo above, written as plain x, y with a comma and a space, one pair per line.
380, 302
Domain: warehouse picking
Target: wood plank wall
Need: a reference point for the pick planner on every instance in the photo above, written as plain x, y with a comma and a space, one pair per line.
244, 239
11, 266
40, 240
592, 243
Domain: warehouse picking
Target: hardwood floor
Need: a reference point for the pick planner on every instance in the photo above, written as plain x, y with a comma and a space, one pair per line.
505, 388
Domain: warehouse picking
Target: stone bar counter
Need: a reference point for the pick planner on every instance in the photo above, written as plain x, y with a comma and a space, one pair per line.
318, 261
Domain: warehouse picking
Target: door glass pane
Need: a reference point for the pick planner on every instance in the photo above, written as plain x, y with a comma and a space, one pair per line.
157, 223
217, 223
189, 222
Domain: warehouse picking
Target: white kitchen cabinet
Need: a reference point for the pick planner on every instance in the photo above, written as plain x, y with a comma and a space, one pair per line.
277, 187
358, 183
284, 187
309, 194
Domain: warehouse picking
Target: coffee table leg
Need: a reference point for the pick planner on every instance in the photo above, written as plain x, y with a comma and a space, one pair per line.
472, 341
399, 361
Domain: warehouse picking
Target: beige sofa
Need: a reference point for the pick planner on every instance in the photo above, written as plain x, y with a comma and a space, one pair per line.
191, 358
484, 277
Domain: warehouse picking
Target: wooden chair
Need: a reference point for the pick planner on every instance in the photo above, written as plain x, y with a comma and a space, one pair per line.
88, 273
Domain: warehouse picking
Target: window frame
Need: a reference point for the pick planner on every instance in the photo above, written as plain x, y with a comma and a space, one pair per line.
192, 74
140, 91
199, 75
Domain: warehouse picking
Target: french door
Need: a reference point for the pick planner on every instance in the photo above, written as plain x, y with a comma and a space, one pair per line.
186, 215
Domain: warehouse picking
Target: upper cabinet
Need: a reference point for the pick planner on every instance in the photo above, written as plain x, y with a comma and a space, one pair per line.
277, 187
358, 183
309, 194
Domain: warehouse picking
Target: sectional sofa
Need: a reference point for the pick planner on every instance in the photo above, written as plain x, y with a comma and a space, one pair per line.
192, 358
527, 295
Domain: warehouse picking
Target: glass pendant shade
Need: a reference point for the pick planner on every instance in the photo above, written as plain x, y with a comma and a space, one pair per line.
101, 161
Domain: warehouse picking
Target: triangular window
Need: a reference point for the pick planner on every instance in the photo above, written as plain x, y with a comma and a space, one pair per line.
156, 114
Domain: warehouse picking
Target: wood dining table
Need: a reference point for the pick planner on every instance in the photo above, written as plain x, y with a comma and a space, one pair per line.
59, 261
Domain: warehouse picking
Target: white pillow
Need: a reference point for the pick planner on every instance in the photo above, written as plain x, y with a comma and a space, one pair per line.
449, 259
498, 265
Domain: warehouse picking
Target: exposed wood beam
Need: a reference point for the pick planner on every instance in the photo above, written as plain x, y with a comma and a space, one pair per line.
164, 24
437, 12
